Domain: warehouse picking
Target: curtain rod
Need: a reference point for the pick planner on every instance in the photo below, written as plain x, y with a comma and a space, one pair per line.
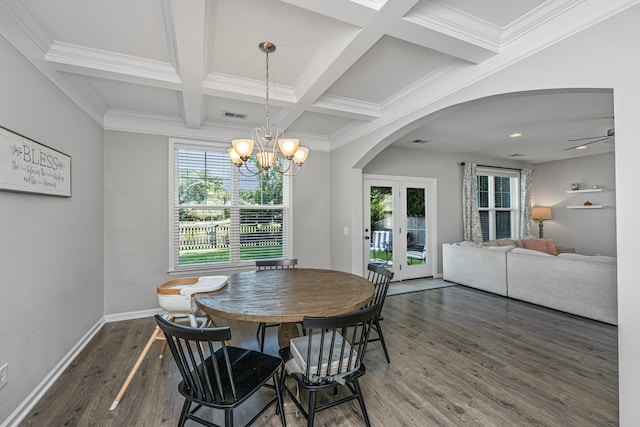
494, 167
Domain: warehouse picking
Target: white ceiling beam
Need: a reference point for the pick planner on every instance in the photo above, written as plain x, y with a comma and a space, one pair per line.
372, 26
86, 61
431, 25
189, 19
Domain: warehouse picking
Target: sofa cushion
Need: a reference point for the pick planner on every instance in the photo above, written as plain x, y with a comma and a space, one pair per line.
590, 258
542, 245
529, 252
503, 242
499, 248
565, 249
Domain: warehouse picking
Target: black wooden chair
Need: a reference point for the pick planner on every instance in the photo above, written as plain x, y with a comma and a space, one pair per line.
216, 375
272, 264
329, 357
381, 278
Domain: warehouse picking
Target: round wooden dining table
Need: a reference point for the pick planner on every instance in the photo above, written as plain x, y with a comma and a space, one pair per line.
286, 296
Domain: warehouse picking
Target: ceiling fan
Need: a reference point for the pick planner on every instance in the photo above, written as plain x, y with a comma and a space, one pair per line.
608, 138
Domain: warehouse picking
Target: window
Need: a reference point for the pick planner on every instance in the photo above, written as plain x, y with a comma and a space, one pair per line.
498, 203
220, 217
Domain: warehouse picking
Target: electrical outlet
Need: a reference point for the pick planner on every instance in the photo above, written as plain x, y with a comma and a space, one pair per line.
4, 375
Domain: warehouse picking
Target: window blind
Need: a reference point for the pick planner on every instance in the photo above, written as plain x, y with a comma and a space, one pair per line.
220, 217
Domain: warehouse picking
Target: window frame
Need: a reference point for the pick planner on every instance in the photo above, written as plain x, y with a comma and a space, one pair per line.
514, 177
174, 222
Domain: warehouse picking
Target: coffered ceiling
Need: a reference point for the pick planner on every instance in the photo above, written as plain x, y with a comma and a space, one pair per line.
341, 68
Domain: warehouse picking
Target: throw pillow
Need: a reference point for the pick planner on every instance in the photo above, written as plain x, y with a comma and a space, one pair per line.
489, 243
542, 245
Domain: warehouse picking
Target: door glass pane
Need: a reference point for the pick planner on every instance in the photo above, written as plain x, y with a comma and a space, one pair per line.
416, 226
381, 226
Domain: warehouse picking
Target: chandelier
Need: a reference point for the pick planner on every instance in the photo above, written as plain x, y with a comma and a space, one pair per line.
285, 157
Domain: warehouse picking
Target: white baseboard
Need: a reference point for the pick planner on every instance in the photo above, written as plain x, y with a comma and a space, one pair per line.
132, 315
34, 397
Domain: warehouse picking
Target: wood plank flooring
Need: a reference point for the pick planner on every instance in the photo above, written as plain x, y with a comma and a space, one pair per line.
459, 357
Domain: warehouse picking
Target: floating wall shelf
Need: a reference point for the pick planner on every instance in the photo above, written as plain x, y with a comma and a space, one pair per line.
585, 207
589, 190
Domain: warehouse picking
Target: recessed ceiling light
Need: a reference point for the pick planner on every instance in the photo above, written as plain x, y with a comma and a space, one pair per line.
515, 135
581, 147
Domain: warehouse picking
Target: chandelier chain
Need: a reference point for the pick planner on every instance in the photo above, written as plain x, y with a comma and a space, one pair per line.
266, 113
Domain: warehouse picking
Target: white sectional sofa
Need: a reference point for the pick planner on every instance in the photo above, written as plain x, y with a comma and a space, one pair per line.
577, 284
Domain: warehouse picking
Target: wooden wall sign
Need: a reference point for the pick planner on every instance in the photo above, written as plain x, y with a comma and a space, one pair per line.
30, 167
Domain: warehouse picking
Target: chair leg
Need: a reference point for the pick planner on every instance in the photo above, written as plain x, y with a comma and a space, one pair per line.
312, 408
183, 414
263, 332
154, 336
356, 384
384, 345
228, 418
280, 396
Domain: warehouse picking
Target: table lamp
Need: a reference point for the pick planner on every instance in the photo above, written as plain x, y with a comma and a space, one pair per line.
540, 214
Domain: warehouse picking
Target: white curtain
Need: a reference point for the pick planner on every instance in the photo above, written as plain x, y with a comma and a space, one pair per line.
526, 175
471, 217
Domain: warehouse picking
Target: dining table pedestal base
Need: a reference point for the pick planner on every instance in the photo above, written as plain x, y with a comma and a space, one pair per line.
286, 331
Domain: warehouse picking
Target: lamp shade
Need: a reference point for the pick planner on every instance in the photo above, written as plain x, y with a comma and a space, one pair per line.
288, 147
541, 213
301, 155
244, 147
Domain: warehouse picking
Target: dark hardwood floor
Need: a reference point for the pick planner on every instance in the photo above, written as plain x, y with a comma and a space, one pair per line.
459, 357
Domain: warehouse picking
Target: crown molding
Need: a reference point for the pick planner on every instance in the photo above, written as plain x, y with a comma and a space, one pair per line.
544, 13
241, 88
371, 4
172, 126
427, 82
83, 60
457, 24
346, 107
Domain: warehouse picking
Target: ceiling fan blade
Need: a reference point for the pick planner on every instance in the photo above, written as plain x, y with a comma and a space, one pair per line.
590, 137
587, 143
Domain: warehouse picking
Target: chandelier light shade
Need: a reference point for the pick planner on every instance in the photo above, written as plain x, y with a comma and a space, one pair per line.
263, 142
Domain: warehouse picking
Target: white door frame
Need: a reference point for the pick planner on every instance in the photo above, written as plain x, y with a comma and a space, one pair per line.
400, 183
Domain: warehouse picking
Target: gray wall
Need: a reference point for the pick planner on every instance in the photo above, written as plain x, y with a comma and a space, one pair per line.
136, 223
590, 231
51, 247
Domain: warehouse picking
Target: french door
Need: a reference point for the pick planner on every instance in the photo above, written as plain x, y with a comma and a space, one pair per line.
400, 225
